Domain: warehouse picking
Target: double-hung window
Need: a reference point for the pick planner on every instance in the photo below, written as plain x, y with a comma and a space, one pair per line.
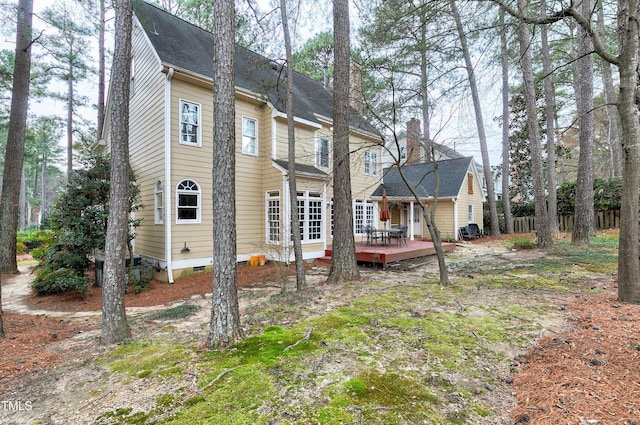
370, 163
322, 153
188, 202
470, 213
190, 131
249, 136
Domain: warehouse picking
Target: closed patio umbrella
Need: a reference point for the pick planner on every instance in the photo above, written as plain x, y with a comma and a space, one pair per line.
384, 208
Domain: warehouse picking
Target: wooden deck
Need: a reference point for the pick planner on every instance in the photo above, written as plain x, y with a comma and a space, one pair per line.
380, 254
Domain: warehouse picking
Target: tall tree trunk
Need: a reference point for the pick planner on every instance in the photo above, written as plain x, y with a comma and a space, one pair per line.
424, 90
291, 135
615, 148
506, 159
22, 214
224, 327
70, 121
14, 155
344, 265
101, 69
550, 102
43, 189
542, 224
429, 212
628, 259
482, 138
114, 319
583, 214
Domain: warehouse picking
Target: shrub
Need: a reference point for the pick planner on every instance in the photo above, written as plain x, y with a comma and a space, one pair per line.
522, 242
58, 281
35, 239
136, 284
21, 248
78, 221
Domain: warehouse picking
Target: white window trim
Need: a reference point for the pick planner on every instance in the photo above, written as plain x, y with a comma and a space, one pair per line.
273, 195
255, 136
368, 215
307, 197
158, 202
199, 130
318, 155
470, 214
198, 207
370, 165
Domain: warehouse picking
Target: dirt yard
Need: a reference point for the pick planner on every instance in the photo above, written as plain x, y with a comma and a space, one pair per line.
583, 368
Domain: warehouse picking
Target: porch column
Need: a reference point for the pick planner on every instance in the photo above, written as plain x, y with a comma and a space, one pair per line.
410, 226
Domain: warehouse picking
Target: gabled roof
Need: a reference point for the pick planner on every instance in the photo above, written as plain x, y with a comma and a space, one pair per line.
185, 46
451, 175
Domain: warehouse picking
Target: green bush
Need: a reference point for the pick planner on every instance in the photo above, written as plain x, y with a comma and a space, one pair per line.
137, 285
522, 242
607, 195
58, 281
21, 248
78, 220
35, 239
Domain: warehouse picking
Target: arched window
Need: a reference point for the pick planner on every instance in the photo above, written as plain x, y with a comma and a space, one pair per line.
188, 202
159, 202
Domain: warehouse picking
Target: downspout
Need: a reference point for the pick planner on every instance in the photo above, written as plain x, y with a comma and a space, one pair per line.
167, 174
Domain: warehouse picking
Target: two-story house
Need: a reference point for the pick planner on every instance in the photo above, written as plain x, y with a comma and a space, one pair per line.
171, 134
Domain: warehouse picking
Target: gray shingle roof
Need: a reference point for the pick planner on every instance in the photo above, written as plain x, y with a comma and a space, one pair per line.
303, 169
186, 46
451, 173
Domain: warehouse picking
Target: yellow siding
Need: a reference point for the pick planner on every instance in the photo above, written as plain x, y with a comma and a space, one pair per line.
146, 141
250, 198
444, 220
465, 199
193, 163
362, 185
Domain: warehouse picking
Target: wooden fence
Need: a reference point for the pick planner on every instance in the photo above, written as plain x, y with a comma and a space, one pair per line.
602, 220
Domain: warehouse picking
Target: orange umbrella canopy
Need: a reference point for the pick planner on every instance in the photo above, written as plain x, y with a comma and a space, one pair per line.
384, 207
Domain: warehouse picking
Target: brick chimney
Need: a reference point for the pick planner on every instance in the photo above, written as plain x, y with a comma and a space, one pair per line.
413, 141
355, 83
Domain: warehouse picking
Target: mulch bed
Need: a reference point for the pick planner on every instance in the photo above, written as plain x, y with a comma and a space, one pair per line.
589, 375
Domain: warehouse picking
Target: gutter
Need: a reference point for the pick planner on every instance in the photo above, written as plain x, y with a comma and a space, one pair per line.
167, 174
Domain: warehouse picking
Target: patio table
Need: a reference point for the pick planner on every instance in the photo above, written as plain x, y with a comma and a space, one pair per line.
386, 235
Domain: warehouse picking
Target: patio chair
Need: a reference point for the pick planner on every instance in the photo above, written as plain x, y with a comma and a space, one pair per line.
400, 235
372, 235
